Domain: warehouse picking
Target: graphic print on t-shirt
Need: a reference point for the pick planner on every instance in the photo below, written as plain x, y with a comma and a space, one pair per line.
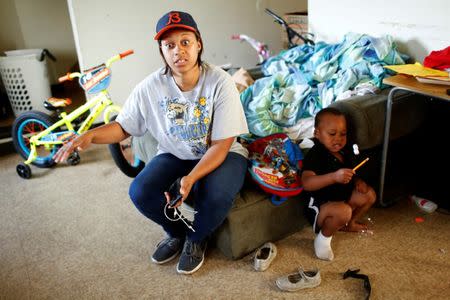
189, 122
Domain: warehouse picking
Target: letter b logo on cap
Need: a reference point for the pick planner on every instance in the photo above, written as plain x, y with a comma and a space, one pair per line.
174, 18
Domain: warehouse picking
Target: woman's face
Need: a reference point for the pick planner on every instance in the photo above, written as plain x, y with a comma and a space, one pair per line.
180, 49
332, 132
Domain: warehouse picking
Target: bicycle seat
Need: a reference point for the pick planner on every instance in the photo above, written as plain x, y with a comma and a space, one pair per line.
53, 103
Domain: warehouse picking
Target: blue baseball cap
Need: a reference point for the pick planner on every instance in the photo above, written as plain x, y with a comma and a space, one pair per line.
175, 19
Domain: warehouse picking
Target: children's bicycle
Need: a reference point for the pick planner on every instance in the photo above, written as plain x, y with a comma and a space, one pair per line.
37, 136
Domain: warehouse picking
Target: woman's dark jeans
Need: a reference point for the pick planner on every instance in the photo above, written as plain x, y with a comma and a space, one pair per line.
213, 195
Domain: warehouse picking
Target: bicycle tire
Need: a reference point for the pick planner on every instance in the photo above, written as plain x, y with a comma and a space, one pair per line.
130, 167
27, 124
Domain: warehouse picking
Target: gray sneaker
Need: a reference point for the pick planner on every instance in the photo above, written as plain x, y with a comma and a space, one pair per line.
192, 257
300, 280
167, 249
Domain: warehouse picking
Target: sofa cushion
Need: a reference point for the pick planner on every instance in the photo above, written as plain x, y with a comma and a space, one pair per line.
254, 220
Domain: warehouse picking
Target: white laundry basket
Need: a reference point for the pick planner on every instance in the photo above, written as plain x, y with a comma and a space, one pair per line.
27, 76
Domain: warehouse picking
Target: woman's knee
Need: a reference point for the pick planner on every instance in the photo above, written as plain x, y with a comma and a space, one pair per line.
136, 192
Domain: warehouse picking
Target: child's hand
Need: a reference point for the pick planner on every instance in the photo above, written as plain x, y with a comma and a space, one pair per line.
343, 175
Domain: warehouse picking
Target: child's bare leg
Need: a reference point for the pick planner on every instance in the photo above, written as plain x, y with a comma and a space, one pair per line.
360, 203
332, 216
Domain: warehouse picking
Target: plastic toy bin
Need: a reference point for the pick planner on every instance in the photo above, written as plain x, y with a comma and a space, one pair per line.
27, 76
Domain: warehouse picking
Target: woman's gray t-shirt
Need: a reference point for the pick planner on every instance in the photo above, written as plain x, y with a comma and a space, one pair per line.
184, 123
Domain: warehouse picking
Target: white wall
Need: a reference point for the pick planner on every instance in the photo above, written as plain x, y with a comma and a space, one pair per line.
10, 34
418, 26
38, 24
46, 24
103, 28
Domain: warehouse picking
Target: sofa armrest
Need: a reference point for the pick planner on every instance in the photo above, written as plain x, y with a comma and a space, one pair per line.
366, 115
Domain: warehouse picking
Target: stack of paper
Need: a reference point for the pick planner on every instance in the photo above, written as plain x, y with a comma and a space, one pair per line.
434, 80
422, 74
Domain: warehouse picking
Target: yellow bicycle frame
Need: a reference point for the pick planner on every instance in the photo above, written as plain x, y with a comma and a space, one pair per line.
101, 102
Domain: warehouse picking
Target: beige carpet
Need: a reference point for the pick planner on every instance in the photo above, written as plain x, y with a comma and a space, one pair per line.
71, 232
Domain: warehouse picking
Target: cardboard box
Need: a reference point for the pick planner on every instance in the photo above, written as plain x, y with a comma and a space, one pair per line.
297, 21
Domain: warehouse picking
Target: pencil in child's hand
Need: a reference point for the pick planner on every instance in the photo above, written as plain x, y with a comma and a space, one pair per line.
360, 164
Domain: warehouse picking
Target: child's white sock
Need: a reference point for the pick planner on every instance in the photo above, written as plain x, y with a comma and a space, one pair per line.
322, 247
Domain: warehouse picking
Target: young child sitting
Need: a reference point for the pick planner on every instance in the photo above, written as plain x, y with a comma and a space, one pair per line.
338, 198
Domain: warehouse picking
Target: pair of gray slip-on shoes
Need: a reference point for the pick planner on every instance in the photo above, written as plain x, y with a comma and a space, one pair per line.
301, 279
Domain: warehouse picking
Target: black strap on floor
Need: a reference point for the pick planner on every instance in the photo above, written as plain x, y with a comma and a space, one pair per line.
354, 274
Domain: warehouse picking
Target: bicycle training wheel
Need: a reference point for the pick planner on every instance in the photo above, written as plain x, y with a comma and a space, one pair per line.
125, 158
27, 125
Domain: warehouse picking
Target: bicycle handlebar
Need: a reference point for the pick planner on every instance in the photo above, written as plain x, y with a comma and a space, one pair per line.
276, 17
70, 76
118, 57
126, 53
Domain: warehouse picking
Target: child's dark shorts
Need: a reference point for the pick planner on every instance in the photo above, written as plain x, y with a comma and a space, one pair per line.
330, 194
312, 213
